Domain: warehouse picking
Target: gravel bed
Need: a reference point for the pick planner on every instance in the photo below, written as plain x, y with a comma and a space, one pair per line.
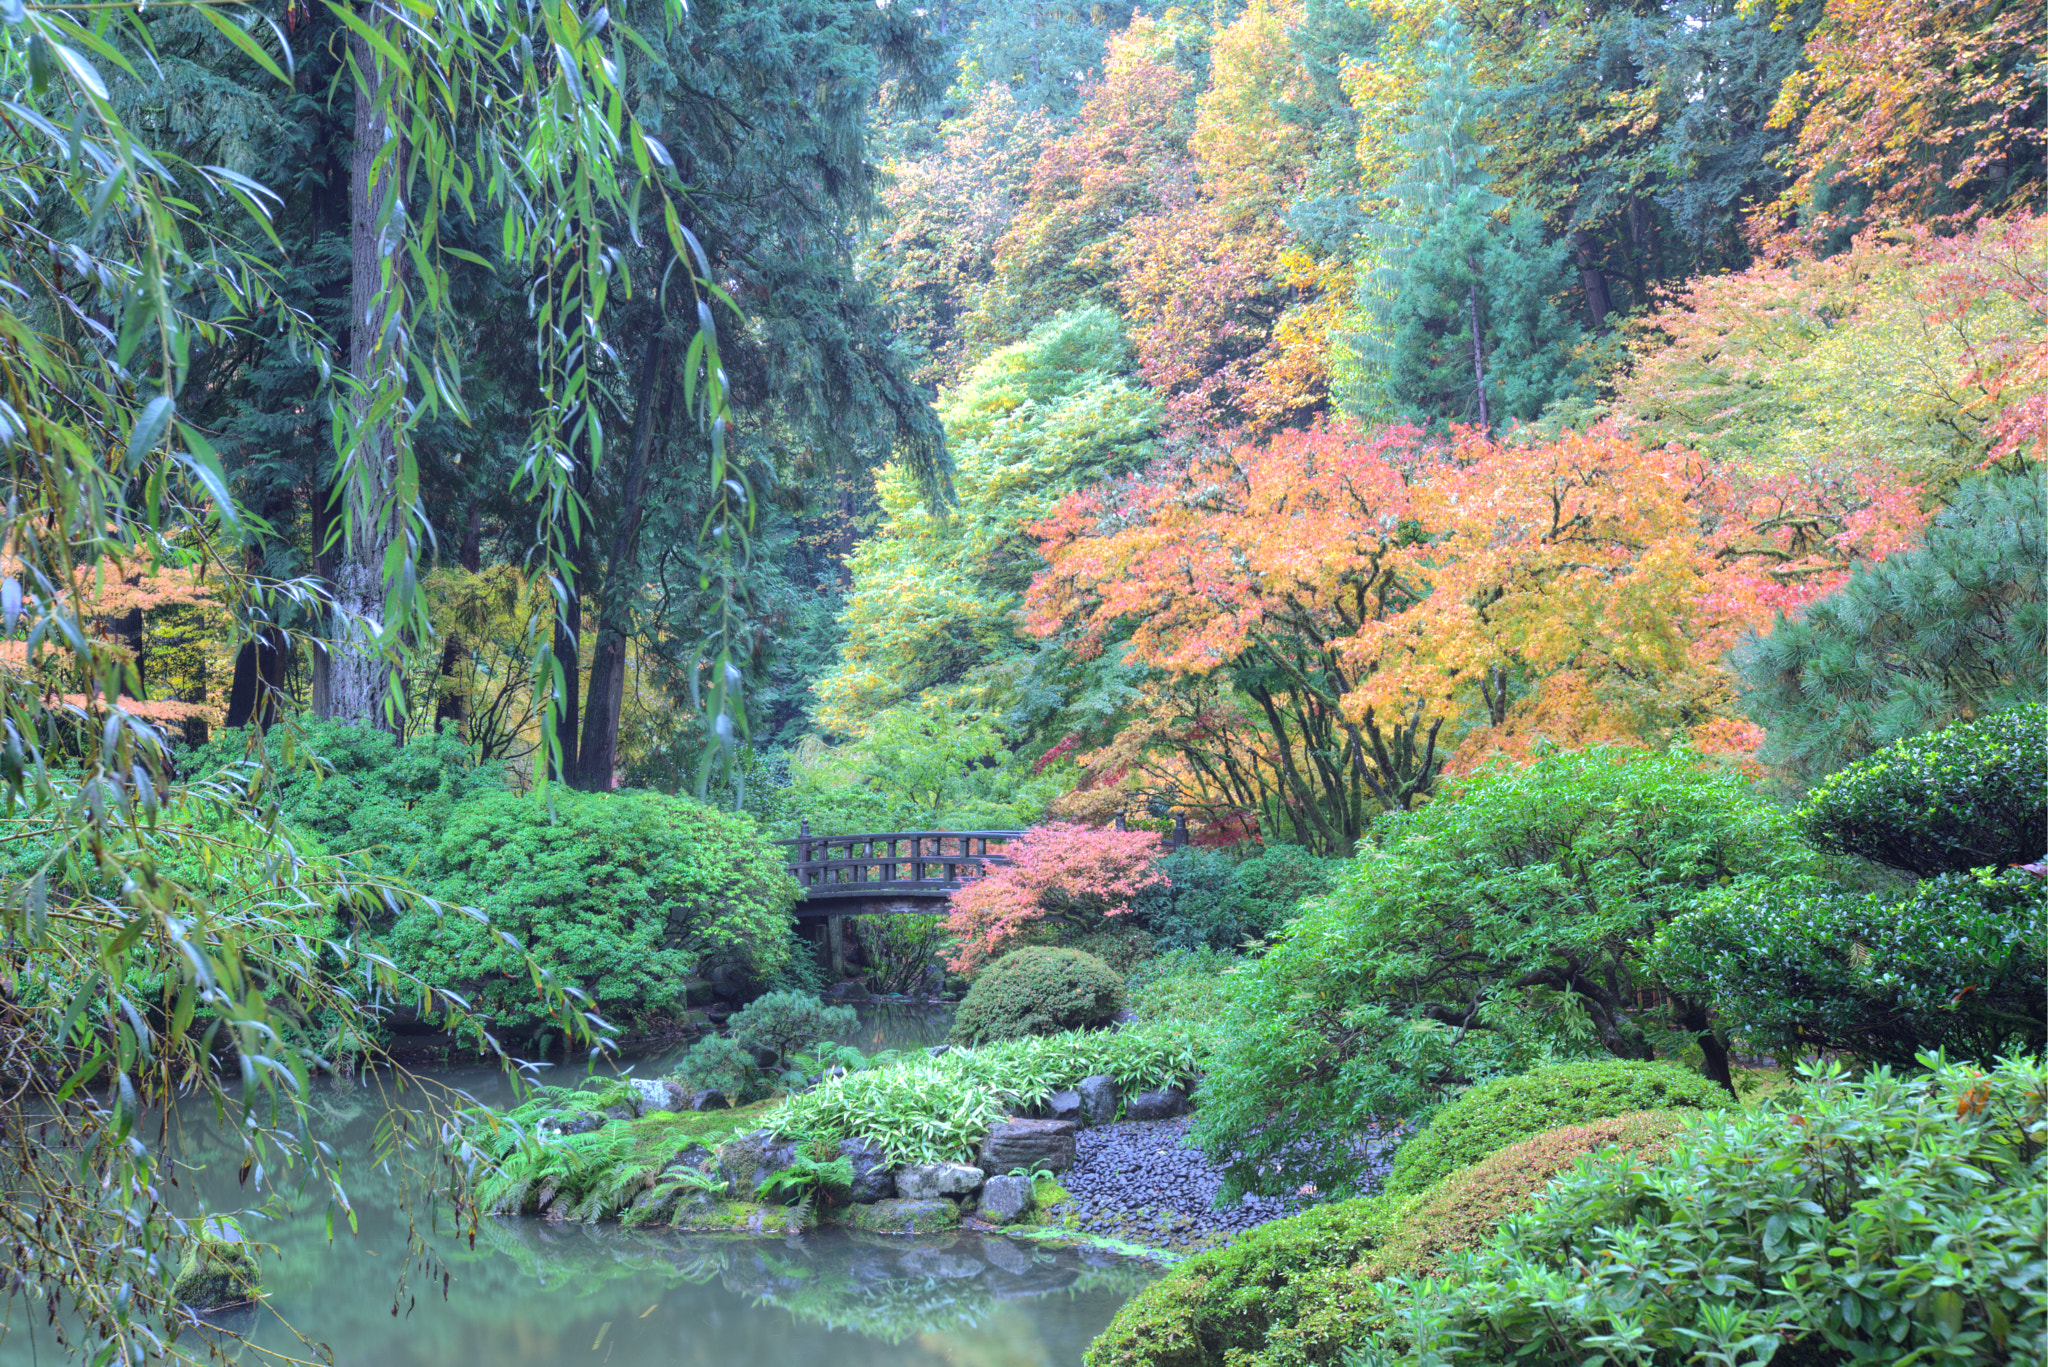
1139, 1180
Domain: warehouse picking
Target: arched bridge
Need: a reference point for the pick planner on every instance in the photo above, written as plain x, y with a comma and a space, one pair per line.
891, 872
886, 873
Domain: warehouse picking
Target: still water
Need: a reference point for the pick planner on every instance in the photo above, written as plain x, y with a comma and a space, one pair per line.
537, 1295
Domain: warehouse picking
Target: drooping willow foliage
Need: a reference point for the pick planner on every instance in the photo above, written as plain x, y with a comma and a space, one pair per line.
161, 937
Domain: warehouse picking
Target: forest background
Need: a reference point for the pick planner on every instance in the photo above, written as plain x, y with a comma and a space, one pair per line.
1239, 411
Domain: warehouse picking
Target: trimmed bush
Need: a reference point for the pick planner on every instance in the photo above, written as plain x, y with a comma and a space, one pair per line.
1970, 796
1216, 902
1796, 966
623, 895
1889, 1220
1038, 991
1504, 1110
786, 1022
1293, 1292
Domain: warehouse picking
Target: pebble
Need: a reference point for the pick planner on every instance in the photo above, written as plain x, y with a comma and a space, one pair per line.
1140, 1181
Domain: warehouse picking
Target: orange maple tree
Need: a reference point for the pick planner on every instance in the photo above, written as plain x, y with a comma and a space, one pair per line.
1360, 602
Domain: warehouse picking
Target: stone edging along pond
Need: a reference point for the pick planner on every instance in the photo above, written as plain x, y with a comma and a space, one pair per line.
632, 1150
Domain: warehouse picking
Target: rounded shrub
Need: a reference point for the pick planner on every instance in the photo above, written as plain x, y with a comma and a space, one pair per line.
1294, 1292
1504, 1110
784, 1023
1037, 991
1968, 796
1894, 1218
621, 895
1795, 965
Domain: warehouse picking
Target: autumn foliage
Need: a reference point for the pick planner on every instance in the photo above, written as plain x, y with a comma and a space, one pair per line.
1374, 591
1061, 871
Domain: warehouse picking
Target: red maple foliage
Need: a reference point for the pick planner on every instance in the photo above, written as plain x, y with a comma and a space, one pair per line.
1061, 871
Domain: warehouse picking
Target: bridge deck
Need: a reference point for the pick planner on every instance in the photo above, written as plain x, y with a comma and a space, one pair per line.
837, 872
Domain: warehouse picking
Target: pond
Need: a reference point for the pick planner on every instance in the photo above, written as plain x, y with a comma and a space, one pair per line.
531, 1294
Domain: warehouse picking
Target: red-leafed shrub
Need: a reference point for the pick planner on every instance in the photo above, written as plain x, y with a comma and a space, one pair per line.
1077, 874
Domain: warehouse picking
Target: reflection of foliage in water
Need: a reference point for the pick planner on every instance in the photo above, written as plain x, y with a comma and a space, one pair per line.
823, 1281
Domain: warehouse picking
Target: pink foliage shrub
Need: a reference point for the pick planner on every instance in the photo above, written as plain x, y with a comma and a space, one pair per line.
1062, 870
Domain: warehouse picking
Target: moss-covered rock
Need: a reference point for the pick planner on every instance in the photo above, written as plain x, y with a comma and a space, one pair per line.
219, 1267
899, 1216
741, 1217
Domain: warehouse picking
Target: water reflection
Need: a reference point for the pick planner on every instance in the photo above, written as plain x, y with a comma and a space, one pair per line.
530, 1294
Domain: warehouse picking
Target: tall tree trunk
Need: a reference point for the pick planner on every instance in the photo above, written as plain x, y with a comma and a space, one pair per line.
359, 681
568, 624
1478, 352
600, 752
1595, 282
452, 705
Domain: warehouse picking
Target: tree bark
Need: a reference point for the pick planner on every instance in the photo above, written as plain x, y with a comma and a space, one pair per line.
359, 679
1591, 277
1478, 353
600, 750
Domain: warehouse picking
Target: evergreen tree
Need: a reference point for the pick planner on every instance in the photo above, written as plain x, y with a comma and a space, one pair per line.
1952, 630
1470, 328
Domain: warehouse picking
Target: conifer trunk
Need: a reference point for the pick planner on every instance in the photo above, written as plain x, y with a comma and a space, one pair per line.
600, 748
1478, 354
358, 680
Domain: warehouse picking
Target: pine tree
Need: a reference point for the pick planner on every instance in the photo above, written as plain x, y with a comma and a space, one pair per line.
1952, 630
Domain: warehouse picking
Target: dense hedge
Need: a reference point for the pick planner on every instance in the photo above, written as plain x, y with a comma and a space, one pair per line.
1969, 796
1216, 902
1037, 991
1504, 1110
625, 895
1797, 965
1888, 1220
1293, 1292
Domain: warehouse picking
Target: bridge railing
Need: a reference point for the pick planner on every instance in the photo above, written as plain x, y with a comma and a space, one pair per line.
893, 861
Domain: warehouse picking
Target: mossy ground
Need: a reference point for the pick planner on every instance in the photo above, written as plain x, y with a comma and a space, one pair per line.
742, 1217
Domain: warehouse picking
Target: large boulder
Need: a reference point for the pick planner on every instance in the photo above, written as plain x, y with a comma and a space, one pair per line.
930, 1181
1032, 1145
1064, 1106
1163, 1104
904, 1216
1099, 1099
749, 1161
657, 1094
219, 1267
1004, 1199
874, 1177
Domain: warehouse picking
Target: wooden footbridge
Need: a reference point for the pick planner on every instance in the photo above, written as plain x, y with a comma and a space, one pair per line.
891, 872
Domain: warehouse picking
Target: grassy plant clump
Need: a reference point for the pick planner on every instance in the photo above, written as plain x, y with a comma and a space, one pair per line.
1038, 991
1498, 1113
928, 1110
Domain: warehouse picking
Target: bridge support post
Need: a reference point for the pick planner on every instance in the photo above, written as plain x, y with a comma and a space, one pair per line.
835, 942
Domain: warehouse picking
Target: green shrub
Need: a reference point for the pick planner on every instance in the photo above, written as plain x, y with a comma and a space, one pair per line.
360, 793
785, 1022
624, 895
1966, 797
1889, 1220
1292, 1292
1506, 1110
718, 1063
1037, 991
1552, 877
1796, 966
1216, 902
927, 1110
1184, 985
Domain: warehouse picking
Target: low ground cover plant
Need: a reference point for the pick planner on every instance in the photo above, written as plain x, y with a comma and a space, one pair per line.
926, 1110
1890, 1218
1505, 1110
1038, 991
